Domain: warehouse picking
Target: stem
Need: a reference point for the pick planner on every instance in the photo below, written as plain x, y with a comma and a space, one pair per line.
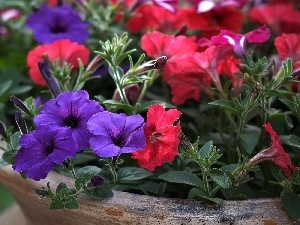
112, 168
206, 184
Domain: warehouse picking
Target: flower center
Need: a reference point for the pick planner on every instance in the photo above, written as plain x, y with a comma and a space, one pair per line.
118, 139
49, 148
155, 136
58, 29
71, 121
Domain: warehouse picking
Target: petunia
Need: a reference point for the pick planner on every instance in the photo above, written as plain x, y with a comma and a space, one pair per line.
113, 133
44, 148
275, 153
55, 23
259, 35
162, 138
206, 5
62, 50
73, 110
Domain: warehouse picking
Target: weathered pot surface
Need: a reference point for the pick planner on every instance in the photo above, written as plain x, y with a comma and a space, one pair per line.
126, 208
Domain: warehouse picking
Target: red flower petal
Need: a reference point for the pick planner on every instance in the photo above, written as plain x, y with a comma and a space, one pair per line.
65, 50
162, 138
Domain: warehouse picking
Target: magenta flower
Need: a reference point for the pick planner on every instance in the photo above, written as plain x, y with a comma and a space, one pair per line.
205, 5
73, 110
42, 149
113, 133
55, 23
238, 40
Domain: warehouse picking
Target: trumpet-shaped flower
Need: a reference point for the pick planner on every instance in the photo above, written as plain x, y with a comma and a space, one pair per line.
162, 138
55, 23
62, 50
274, 153
42, 149
113, 133
73, 110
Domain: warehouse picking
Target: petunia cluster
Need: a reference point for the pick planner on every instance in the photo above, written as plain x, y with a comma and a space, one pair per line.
72, 122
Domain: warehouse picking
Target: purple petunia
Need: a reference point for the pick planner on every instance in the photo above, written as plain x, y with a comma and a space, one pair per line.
73, 110
55, 23
42, 149
113, 133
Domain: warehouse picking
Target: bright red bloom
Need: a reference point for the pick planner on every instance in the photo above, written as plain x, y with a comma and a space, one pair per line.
288, 46
152, 17
162, 138
157, 44
229, 67
274, 153
213, 21
281, 18
64, 50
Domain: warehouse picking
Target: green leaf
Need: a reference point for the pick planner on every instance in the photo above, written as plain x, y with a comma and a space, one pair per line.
119, 105
220, 178
85, 174
294, 141
225, 104
20, 89
72, 203
102, 192
61, 187
182, 177
2, 162
206, 149
5, 86
199, 195
249, 141
132, 173
291, 203
9, 156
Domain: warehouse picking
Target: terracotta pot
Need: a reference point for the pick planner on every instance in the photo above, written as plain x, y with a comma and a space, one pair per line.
126, 208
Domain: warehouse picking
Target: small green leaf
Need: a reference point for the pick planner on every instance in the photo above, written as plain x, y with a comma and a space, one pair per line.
294, 141
85, 174
9, 156
5, 86
119, 105
72, 203
199, 195
220, 178
225, 104
249, 141
132, 173
206, 149
291, 203
182, 177
61, 187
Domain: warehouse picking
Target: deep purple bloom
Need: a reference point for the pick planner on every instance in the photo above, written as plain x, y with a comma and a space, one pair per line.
42, 149
55, 23
70, 109
113, 133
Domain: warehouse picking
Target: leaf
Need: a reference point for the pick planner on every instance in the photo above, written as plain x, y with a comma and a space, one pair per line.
102, 192
294, 141
5, 86
199, 195
145, 105
85, 174
119, 105
291, 203
182, 177
220, 178
206, 149
225, 104
132, 173
9, 156
249, 141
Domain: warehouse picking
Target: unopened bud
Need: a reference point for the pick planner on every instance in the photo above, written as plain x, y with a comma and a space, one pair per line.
19, 104
159, 64
3, 130
95, 64
49, 78
21, 123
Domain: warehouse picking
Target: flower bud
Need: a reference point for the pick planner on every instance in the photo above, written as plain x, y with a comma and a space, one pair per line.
96, 181
19, 104
50, 80
21, 123
3, 130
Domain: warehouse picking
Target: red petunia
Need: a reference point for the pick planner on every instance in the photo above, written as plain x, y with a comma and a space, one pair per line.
152, 17
162, 138
229, 67
281, 18
288, 46
274, 153
157, 44
64, 50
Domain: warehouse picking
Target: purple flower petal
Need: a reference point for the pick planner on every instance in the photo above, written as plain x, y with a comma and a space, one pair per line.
114, 133
55, 23
42, 149
70, 109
